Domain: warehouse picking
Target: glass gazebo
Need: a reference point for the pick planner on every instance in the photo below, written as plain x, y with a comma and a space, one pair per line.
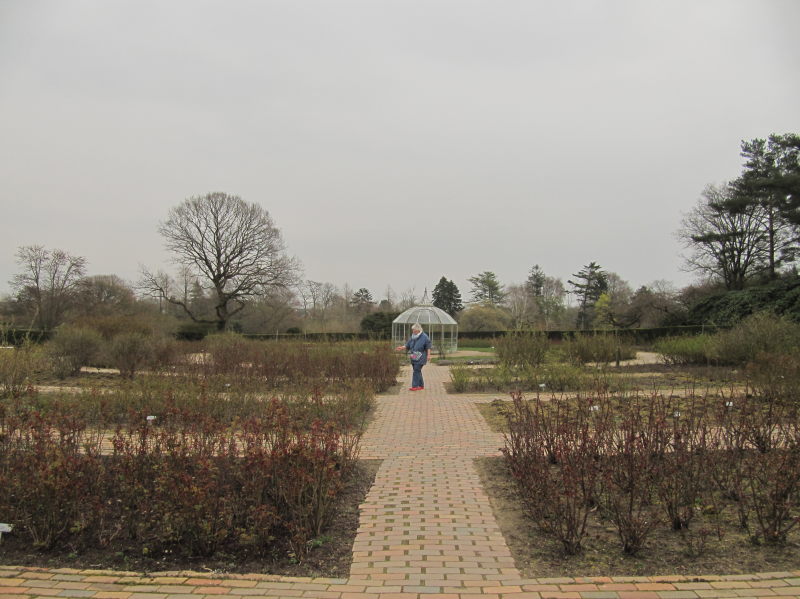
438, 324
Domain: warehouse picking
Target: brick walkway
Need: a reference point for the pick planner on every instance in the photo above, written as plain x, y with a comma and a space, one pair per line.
426, 532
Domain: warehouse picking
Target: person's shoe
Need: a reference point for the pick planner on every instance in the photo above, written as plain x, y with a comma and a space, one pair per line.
415, 388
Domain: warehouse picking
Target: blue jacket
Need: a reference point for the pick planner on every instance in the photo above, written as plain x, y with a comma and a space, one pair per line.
421, 344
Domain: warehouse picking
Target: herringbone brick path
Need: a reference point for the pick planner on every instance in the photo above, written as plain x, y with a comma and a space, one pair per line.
426, 532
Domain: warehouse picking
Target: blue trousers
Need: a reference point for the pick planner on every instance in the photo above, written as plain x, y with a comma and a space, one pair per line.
416, 377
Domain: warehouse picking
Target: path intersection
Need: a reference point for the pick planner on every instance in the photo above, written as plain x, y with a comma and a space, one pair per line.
426, 532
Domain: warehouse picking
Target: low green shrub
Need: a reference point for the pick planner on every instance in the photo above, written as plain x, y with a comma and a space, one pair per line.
194, 331
72, 348
684, 350
18, 365
559, 377
555, 377
111, 325
500, 378
522, 347
759, 333
460, 376
601, 348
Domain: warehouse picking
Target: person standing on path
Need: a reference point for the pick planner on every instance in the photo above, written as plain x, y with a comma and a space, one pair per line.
419, 351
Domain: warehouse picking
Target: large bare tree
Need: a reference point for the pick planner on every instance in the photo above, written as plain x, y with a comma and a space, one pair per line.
47, 283
732, 246
231, 246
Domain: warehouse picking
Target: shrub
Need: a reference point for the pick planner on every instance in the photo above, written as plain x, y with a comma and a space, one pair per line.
680, 442
379, 323
629, 469
297, 363
165, 352
684, 350
194, 331
483, 317
601, 348
560, 377
552, 455
129, 352
774, 491
17, 367
759, 333
657, 459
776, 377
522, 347
781, 296
460, 376
229, 352
555, 377
72, 348
111, 325
185, 482
50, 477
500, 378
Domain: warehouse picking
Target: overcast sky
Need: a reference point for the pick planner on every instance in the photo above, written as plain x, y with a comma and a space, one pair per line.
392, 142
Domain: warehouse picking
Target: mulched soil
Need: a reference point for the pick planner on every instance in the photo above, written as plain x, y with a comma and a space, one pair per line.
330, 557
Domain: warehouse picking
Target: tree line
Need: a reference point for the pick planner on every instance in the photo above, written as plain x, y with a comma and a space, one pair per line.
233, 271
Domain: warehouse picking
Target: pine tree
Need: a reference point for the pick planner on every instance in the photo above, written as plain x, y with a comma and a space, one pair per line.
447, 297
535, 282
487, 289
362, 300
591, 283
771, 180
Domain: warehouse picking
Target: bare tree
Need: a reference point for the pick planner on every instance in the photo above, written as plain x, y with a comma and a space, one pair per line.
271, 313
231, 247
48, 282
317, 299
732, 246
103, 295
551, 302
387, 304
652, 304
521, 305
547, 298
408, 299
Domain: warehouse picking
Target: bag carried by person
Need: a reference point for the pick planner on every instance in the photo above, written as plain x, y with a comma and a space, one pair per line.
415, 356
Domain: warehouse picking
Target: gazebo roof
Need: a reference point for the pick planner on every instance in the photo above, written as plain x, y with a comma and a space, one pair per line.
425, 314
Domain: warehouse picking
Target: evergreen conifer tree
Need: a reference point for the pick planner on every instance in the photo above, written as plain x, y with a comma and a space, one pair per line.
447, 297
590, 284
